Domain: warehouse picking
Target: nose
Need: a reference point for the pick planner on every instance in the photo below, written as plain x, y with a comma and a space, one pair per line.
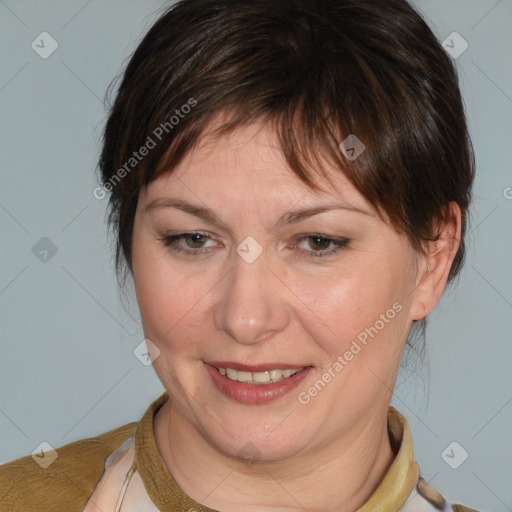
253, 304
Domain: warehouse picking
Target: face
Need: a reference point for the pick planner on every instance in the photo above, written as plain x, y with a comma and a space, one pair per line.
253, 288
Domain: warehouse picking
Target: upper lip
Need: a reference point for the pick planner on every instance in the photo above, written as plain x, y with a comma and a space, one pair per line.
260, 367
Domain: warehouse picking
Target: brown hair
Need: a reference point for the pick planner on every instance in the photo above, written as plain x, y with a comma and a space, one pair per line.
317, 71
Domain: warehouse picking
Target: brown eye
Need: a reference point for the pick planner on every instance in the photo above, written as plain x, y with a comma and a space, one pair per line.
194, 239
192, 243
320, 244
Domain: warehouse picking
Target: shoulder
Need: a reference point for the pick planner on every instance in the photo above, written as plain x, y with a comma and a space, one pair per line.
65, 484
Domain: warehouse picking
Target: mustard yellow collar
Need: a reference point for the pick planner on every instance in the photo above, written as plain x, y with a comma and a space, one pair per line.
165, 493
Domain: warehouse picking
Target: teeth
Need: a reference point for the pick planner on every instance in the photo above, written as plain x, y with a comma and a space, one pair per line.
258, 377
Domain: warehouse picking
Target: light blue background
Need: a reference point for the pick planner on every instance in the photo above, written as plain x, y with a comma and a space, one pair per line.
67, 366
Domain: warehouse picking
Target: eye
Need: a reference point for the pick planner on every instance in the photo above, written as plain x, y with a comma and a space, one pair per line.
194, 238
194, 241
318, 241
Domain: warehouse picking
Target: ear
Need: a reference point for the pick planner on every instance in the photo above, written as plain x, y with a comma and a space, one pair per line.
435, 265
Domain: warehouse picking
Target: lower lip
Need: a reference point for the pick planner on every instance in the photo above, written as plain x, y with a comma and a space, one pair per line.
255, 394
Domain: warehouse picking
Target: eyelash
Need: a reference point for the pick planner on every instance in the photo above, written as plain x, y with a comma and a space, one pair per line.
340, 243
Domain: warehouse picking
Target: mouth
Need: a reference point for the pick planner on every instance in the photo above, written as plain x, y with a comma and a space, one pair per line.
260, 377
256, 384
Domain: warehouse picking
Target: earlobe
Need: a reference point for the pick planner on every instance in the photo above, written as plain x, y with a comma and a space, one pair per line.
435, 267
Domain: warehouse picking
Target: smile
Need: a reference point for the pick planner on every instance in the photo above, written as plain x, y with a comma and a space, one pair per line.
255, 385
264, 377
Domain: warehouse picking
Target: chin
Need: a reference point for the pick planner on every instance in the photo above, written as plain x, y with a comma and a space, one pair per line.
257, 443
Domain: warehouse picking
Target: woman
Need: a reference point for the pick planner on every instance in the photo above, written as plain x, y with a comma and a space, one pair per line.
289, 182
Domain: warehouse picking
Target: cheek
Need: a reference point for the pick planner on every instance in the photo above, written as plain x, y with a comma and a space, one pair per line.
171, 303
364, 303
168, 305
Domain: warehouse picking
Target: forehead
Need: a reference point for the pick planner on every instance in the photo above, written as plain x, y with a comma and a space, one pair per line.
248, 161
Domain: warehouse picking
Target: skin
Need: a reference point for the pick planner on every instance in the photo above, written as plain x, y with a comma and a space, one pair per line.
283, 307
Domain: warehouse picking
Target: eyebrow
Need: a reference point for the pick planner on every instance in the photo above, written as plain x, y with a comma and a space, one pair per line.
290, 217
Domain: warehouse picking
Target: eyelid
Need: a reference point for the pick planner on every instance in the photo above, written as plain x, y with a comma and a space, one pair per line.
338, 242
169, 239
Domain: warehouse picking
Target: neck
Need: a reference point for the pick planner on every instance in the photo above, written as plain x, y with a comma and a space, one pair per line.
344, 472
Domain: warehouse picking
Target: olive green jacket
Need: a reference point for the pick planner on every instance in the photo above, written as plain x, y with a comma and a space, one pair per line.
122, 471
